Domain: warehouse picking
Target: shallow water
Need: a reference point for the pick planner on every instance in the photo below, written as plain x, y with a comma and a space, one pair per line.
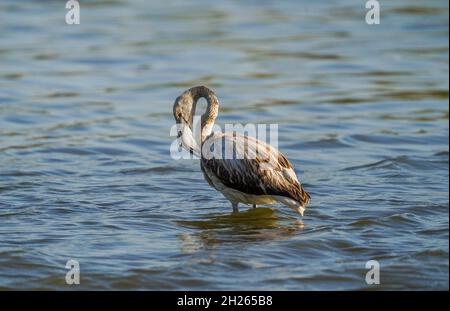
85, 169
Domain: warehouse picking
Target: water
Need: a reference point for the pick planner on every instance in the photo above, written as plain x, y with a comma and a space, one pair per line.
85, 171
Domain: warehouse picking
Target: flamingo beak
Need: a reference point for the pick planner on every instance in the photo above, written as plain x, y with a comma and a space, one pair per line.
301, 210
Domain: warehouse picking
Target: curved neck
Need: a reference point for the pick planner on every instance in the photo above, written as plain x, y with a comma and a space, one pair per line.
212, 109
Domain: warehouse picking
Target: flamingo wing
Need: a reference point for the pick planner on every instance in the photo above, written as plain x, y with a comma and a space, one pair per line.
254, 167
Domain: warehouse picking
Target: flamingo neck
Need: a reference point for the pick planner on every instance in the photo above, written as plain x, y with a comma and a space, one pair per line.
203, 128
212, 109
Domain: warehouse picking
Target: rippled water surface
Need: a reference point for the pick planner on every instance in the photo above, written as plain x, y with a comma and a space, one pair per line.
86, 173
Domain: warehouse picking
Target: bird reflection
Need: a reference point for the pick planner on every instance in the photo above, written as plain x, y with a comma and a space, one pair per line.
251, 226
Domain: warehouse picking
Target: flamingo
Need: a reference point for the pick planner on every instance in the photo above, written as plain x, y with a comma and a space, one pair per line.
257, 173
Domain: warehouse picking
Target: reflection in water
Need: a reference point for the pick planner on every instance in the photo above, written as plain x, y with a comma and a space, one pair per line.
85, 170
252, 225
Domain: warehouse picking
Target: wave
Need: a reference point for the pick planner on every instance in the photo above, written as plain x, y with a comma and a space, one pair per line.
401, 161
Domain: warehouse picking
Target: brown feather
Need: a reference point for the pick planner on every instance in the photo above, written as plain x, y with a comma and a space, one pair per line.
249, 175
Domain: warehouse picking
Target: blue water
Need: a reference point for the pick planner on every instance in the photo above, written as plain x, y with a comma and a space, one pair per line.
86, 172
